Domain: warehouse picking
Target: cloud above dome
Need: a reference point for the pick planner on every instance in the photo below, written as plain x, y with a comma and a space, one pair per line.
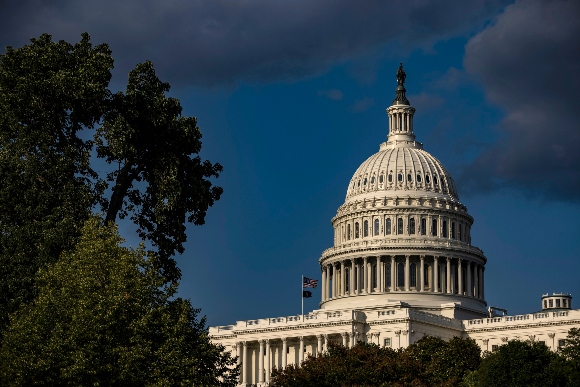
528, 62
219, 42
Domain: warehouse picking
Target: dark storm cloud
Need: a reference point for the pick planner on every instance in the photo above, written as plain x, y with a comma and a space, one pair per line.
529, 64
216, 42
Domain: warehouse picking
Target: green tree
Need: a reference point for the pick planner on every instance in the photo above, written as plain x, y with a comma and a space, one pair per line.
52, 97
570, 352
446, 362
520, 363
105, 315
362, 365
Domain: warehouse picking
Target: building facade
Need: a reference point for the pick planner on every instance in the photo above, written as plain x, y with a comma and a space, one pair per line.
402, 266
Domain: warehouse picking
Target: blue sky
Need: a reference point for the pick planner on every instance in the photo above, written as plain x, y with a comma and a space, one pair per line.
291, 99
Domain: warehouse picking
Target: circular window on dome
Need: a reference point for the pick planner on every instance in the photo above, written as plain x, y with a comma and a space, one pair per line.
400, 177
365, 181
418, 178
428, 179
373, 180
409, 177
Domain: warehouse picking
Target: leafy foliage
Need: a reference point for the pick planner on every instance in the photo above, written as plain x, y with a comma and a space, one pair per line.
105, 315
52, 97
520, 363
571, 354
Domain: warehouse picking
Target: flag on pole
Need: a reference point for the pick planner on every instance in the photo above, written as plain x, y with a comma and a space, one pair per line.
306, 294
309, 283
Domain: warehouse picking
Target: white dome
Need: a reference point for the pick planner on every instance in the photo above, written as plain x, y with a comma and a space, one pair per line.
403, 171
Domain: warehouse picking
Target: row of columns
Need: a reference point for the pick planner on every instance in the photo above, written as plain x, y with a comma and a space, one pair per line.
401, 122
361, 275
266, 349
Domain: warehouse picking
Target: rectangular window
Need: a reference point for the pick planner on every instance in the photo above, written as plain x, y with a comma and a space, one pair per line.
542, 342
387, 342
434, 228
561, 342
545, 304
565, 303
494, 347
423, 226
551, 303
557, 303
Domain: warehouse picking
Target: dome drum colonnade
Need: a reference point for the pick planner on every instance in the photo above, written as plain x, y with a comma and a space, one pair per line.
402, 229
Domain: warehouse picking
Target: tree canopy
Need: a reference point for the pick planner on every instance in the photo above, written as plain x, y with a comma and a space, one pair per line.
60, 127
105, 315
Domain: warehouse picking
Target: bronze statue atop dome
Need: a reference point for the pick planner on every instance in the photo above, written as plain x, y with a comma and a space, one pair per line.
401, 75
401, 99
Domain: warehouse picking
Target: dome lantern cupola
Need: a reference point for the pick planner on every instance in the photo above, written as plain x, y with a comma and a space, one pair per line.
401, 117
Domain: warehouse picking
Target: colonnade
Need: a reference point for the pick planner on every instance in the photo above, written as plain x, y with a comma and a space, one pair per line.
381, 274
273, 353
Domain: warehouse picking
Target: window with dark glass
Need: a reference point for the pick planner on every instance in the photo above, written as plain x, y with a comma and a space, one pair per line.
557, 303
435, 180
390, 178
373, 180
409, 178
381, 179
400, 226
423, 226
376, 228
545, 304
400, 177
418, 178
551, 303
444, 229
348, 231
434, 228
427, 178
426, 275
347, 279
356, 230
365, 181
359, 183
459, 233
453, 230
374, 271
388, 276
413, 268
366, 228
388, 226
400, 274
412, 226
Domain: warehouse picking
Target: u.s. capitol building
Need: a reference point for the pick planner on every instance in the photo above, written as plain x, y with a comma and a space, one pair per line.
402, 267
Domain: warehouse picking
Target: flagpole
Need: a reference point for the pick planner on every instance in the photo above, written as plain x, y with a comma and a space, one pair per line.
302, 295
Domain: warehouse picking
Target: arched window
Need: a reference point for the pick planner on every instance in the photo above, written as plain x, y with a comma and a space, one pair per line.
444, 229
365, 181
400, 275
347, 279
400, 226
413, 273
400, 177
412, 226
343, 235
356, 230
418, 178
374, 277
348, 231
366, 228
388, 276
376, 228
381, 178
428, 179
390, 177
435, 180
459, 233
453, 230
373, 180
388, 226
423, 226
359, 183
434, 228
409, 178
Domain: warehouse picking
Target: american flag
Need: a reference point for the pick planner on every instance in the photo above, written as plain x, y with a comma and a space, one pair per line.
309, 283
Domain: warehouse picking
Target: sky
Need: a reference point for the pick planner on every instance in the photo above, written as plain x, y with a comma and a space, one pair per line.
290, 97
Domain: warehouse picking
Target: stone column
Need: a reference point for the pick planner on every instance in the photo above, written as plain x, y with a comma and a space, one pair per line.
261, 362
325, 343
393, 283
480, 278
323, 290
244, 370
327, 294
407, 272
344, 339
342, 279
334, 281
482, 283
268, 362
351, 289
460, 275
239, 361
284, 352
301, 354
365, 275
319, 346
468, 284
352, 336
436, 274
448, 276
369, 277
475, 282
379, 274
422, 274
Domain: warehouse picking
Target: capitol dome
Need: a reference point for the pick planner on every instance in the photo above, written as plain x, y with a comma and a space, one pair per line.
402, 235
